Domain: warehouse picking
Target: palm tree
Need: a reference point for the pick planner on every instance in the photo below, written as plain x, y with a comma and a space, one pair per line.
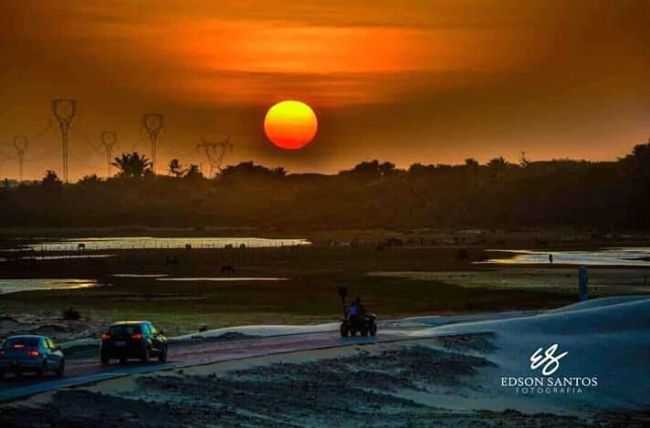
176, 168
132, 165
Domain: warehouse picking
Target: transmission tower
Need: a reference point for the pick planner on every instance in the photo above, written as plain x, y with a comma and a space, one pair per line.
21, 143
64, 110
153, 124
214, 152
109, 140
3, 158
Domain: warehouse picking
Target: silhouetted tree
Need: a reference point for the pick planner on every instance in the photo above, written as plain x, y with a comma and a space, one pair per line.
132, 165
250, 170
498, 167
176, 169
371, 169
90, 180
193, 173
279, 172
567, 193
638, 162
51, 181
498, 164
636, 170
386, 169
472, 163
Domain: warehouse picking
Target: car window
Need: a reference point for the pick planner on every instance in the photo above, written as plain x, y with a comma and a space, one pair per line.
21, 342
153, 329
50, 343
124, 330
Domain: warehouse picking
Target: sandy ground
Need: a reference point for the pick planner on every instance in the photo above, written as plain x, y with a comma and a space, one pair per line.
443, 374
49, 324
383, 386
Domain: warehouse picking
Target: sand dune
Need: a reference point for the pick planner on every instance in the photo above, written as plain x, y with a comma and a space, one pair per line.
605, 338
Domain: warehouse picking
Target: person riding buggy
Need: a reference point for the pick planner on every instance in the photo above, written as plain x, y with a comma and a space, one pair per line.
355, 309
355, 318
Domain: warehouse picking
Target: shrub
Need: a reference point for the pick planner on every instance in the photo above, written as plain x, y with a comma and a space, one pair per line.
71, 314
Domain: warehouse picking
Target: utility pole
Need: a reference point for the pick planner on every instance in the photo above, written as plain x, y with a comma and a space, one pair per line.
21, 143
3, 158
109, 140
153, 124
64, 110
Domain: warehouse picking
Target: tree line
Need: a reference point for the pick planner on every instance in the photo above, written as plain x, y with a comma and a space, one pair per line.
612, 195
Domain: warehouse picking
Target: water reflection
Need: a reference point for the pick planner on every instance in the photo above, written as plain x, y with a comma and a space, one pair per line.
620, 256
222, 278
54, 257
148, 242
15, 285
140, 275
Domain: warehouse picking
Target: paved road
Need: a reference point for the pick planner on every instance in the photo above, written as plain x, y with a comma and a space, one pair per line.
192, 353
86, 371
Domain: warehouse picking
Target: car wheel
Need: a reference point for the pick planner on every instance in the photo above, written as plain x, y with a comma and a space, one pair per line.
41, 372
162, 357
373, 330
105, 360
364, 332
122, 360
61, 369
344, 330
145, 355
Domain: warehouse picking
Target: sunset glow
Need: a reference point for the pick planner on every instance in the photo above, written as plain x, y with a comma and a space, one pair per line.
434, 82
290, 124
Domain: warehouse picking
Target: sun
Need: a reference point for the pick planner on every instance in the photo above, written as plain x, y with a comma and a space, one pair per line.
290, 124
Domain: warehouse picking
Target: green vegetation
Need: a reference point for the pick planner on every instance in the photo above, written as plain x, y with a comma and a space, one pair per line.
71, 314
308, 295
184, 307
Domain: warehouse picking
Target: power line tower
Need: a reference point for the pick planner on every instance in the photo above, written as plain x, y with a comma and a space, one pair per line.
3, 158
153, 124
64, 110
214, 152
21, 143
109, 140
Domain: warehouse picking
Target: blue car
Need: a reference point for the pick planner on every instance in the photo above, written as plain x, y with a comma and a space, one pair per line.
37, 354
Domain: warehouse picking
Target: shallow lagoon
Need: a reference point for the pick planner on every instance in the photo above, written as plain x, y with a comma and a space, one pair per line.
14, 285
618, 256
149, 242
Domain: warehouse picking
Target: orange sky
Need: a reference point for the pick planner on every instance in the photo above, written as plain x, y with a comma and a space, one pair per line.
418, 81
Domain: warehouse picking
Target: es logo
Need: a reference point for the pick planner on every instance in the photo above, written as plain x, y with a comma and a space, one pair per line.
547, 359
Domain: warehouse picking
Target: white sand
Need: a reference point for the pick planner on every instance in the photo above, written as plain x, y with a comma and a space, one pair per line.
607, 338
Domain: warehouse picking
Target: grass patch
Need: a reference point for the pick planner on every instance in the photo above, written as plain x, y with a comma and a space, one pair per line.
184, 307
